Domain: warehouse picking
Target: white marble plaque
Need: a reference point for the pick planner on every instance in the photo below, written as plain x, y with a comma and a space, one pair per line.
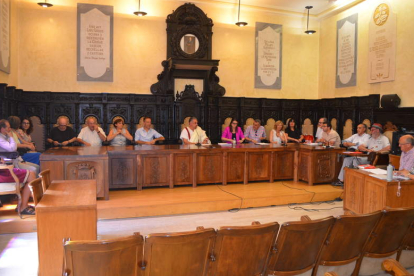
382, 44
95, 25
268, 56
5, 36
346, 52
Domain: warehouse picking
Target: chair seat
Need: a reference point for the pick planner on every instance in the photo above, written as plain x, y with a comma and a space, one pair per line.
7, 188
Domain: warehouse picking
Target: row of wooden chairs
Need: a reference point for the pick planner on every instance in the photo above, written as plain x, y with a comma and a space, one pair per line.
307, 246
40, 185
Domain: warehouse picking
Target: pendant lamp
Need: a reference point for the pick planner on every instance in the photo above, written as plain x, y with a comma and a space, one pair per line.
139, 12
45, 4
309, 32
239, 23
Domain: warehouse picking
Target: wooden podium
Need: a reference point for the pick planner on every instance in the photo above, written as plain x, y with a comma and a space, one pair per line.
365, 194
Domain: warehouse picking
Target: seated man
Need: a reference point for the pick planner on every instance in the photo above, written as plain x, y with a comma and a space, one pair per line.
255, 133
376, 143
8, 144
91, 135
146, 134
407, 155
62, 135
193, 134
358, 138
319, 130
329, 136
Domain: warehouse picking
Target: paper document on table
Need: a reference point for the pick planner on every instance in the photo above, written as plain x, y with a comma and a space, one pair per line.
376, 171
379, 176
263, 144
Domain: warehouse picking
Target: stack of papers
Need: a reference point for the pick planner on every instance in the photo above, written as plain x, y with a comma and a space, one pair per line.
376, 171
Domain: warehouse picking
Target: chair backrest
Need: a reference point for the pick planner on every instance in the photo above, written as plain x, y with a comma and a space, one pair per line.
106, 257
37, 190
45, 176
409, 239
347, 238
389, 233
178, 254
378, 158
298, 246
243, 250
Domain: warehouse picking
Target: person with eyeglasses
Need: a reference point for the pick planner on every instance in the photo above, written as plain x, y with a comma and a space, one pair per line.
255, 133
319, 130
62, 134
406, 144
233, 133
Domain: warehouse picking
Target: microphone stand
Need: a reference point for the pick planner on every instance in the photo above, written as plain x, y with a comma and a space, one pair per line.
198, 135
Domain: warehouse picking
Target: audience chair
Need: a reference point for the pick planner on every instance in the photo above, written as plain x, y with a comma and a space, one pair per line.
385, 241
178, 254
104, 258
12, 187
45, 176
37, 190
298, 246
406, 254
345, 243
393, 267
243, 250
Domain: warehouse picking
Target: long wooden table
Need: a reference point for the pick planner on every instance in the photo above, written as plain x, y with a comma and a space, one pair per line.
365, 194
174, 165
67, 210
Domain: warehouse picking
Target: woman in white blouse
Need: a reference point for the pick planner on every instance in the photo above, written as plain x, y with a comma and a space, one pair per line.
277, 135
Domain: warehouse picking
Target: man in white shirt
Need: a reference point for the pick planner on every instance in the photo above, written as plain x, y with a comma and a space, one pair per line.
358, 138
146, 134
319, 130
91, 135
193, 134
376, 143
329, 136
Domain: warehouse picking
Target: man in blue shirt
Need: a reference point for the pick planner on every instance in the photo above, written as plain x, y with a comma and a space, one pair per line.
147, 135
255, 133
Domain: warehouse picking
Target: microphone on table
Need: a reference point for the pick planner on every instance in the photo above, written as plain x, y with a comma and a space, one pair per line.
199, 143
328, 146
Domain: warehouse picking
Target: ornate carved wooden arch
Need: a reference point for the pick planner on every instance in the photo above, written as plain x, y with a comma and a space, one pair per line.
189, 19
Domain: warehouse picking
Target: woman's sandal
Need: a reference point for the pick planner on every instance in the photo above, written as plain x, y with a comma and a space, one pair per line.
28, 211
29, 206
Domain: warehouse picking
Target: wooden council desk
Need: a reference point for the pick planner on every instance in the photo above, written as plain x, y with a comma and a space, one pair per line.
175, 165
365, 194
67, 210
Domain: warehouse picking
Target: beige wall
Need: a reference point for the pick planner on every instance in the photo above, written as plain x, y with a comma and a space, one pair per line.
47, 48
403, 84
12, 78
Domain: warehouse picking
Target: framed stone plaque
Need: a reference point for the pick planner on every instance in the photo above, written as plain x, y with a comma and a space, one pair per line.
268, 56
95, 43
5, 36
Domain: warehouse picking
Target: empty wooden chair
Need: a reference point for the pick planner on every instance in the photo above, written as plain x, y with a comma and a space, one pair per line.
345, 243
45, 176
37, 190
104, 258
243, 250
298, 246
406, 254
178, 254
385, 241
393, 267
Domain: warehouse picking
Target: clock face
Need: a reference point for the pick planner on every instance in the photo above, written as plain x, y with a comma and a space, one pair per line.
189, 44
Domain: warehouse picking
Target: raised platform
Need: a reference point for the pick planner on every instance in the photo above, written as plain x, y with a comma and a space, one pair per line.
185, 200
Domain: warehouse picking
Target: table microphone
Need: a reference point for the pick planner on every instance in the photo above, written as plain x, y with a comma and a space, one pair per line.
198, 144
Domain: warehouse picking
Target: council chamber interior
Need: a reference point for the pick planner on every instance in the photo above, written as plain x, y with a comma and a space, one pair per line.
216, 209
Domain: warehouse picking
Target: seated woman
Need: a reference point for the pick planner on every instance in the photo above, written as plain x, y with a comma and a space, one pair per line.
25, 149
118, 135
23, 133
294, 134
277, 135
233, 133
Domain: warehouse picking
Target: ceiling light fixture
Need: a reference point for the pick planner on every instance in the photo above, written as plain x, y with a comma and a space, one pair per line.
239, 23
139, 12
45, 4
309, 32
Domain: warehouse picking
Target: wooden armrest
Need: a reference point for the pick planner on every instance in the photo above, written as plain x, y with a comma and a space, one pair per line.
305, 218
255, 223
331, 273
394, 266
